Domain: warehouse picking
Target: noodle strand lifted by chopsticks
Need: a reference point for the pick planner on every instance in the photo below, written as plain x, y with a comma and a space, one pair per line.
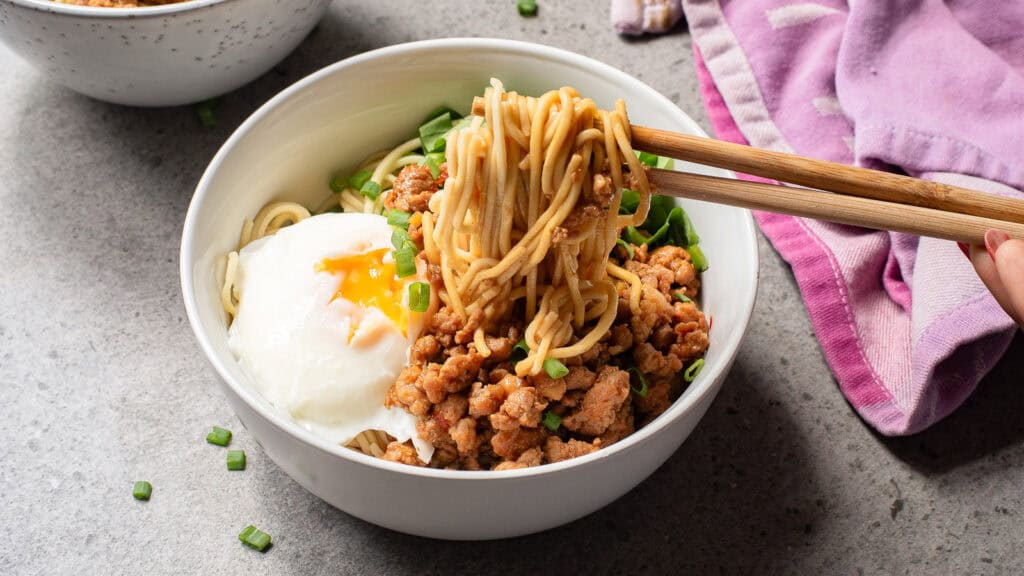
530, 209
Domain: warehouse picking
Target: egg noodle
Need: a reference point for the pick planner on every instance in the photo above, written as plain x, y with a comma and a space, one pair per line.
515, 177
501, 230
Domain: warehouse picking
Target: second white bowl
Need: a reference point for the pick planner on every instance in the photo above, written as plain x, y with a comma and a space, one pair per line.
160, 55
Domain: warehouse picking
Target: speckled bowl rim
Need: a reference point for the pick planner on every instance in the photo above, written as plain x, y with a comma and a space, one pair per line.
691, 398
114, 13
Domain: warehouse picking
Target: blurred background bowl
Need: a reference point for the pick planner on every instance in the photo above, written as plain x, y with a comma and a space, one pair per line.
326, 124
159, 55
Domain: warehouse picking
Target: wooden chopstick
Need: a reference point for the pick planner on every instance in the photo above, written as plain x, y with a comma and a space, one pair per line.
862, 197
829, 176
866, 212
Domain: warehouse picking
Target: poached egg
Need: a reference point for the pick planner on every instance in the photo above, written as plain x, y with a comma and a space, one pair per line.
324, 328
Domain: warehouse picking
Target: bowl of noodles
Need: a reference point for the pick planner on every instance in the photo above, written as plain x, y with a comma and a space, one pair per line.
440, 286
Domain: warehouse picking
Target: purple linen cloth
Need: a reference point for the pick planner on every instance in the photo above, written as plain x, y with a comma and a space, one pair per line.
934, 89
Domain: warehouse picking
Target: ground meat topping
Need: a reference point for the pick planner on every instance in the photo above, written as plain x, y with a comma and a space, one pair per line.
555, 450
402, 453
579, 378
412, 189
657, 399
510, 444
548, 387
676, 260
621, 427
531, 457
425, 349
464, 434
485, 400
603, 191
600, 404
406, 392
524, 406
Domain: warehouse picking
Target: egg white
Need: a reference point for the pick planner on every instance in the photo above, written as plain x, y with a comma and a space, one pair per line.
324, 360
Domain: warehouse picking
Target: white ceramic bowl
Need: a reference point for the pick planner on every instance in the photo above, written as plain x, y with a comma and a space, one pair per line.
328, 122
159, 55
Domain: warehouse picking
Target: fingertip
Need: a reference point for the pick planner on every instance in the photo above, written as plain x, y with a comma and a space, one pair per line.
1009, 266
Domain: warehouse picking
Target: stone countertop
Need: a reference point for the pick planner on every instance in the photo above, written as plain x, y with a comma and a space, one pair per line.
101, 382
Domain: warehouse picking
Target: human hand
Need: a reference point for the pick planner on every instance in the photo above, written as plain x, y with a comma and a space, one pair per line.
1000, 265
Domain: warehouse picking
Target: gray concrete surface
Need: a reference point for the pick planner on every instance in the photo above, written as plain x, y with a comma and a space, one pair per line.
101, 382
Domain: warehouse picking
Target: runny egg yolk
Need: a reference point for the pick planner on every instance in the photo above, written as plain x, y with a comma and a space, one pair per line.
369, 282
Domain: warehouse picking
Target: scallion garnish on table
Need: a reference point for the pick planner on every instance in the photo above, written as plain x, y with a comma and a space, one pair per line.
219, 436
236, 460
255, 538
142, 490
205, 111
527, 7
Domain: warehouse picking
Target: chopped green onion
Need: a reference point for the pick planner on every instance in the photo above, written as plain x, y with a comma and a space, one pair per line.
419, 296
692, 239
700, 262
219, 436
681, 297
359, 178
627, 246
648, 158
520, 351
640, 390
554, 368
142, 490
691, 373
465, 122
370, 189
527, 7
205, 112
433, 162
405, 261
338, 184
630, 201
236, 460
254, 538
551, 420
655, 161
398, 238
399, 218
440, 111
634, 236
433, 132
